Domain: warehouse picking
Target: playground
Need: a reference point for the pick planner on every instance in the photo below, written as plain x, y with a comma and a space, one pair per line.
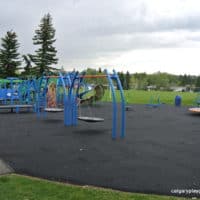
57, 127
158, 155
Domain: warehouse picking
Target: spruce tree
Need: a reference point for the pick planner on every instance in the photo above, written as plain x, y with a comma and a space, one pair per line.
198, 82
9, 56
28, 69
128, 80
46, 53
100, 71
122, 79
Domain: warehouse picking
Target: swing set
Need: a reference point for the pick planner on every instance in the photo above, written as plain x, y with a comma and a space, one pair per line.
72, 98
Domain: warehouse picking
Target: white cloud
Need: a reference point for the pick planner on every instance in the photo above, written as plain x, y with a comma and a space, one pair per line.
148, 35
171, 60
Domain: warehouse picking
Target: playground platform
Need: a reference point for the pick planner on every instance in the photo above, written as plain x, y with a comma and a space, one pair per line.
158, 155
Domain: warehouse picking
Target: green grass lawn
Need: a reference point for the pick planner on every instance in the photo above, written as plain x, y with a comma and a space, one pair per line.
15, 187
143, 97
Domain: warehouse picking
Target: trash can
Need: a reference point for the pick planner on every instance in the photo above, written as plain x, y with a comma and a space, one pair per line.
177, 101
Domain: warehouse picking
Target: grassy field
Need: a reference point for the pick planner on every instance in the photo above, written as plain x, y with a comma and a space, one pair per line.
143, 97
14, 187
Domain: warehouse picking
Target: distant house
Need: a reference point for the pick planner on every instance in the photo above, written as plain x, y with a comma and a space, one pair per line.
151, 87
178, 88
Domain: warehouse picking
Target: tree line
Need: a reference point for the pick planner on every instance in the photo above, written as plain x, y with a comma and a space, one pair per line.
164, 81
34, 64
156, 81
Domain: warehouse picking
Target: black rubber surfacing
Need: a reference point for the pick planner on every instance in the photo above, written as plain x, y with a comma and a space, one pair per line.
160, 151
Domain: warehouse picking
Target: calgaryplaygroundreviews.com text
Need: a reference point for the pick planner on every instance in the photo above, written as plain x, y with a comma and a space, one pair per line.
186, 191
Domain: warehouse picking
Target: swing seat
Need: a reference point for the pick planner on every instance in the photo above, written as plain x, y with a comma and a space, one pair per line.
90, 119
53, 109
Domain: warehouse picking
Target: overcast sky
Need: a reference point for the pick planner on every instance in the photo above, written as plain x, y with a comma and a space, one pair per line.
135, 35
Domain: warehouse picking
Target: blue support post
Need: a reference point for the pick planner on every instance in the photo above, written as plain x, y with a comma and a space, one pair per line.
44, 96
38, 90
73, 105
11, 92
123, 105
17, 109
34, 83
74, 111
28, 85
5, 92
114, 105
70, 110
41, 95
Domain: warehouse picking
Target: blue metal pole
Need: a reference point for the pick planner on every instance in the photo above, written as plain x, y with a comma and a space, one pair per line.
66, 106
114, 105
123, 104
39, 96
73, 103
74, 111
11, 91
28, 85
5, 93
45, 95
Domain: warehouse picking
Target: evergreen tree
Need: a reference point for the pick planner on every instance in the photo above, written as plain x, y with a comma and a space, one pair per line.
28, 70
46, 54
100, 71
122, 79
9, 56
198, 82
1, 67
128, 80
